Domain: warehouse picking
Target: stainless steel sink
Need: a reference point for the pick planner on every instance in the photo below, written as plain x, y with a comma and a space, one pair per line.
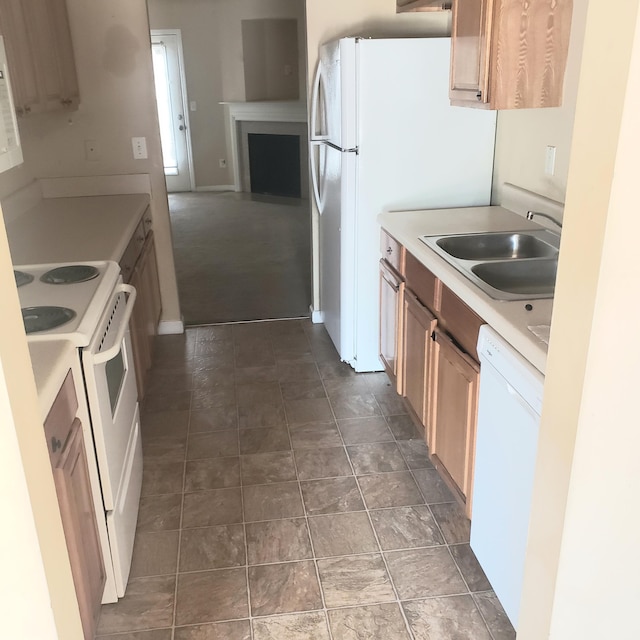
529, 278
513, 265
497, 246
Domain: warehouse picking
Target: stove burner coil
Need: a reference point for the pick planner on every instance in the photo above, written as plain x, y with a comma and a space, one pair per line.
22, 278
70, 274
45, 318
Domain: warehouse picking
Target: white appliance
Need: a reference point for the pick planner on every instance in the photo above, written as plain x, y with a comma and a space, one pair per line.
93, 308
384, 137
506, 445
10, 149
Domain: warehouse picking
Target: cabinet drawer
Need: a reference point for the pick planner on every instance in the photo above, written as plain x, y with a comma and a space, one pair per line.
147, 221
460, 321
60, 418
132, 252
423, 283
393, 252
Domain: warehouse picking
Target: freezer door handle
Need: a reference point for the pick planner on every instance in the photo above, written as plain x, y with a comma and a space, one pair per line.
314, 174
315, 98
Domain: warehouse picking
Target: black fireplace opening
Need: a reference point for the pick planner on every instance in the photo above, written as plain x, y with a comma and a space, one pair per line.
274, 164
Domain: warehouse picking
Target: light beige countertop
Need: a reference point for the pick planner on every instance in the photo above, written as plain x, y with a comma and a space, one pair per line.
51, 362
75, 229
509, 319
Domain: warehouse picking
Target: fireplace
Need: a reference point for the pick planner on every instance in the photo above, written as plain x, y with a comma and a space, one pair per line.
274, 164
270, 149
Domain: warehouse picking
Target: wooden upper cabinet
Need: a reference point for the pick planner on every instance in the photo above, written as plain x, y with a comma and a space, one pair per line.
39, 55
422, 5
509, 54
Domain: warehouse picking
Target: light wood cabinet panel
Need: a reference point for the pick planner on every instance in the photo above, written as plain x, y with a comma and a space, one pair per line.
457, 319
455, 408
509, 54
393, 252
391, 311
138, 329
423, 283
73, 488
39, 54
140, 268
422, 5
419, 325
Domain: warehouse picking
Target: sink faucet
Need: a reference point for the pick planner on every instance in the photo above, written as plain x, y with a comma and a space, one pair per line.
531, 214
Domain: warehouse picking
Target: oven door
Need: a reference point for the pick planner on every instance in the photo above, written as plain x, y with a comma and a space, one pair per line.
112, 393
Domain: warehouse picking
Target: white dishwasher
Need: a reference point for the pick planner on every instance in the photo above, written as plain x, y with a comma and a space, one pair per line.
506, 444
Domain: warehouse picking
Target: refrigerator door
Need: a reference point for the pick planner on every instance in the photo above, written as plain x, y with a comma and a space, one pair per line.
337, 264
415, 151
333, 106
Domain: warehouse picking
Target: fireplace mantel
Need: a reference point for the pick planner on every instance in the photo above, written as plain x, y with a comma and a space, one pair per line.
267, 111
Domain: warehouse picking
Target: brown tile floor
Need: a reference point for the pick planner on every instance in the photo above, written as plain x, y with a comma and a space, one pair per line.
287, 498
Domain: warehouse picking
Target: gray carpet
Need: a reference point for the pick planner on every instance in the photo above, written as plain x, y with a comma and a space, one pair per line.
241, 256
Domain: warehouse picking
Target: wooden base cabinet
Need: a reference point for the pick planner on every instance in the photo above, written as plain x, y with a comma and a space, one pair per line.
391, 311
73, 487
140, 268
419, 325
456, 382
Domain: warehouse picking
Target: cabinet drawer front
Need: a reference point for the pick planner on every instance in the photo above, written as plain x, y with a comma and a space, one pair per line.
423, 283
460, 321
392, 251
60, 418
132, 252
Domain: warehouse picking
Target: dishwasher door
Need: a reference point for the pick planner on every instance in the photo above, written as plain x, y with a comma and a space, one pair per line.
506, 444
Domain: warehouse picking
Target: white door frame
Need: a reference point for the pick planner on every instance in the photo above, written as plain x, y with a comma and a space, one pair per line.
177, 33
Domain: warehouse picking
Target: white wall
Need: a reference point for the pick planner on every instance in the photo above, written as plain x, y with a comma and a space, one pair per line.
214, 67
583, 556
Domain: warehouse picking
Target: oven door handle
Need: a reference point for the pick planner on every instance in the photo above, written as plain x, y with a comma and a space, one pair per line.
112, 352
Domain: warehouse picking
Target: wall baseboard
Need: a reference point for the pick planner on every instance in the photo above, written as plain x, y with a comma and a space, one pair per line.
217, 187
170, 327
317, 317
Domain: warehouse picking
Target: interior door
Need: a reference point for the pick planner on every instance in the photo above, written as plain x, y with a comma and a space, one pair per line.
172, 109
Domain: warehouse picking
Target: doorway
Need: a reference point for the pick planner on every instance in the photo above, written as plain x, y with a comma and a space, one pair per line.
168, 70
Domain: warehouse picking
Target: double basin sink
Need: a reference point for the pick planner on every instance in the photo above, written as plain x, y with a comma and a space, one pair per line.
509, 265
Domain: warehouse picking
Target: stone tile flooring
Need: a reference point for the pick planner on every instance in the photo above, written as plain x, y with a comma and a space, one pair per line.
287, 498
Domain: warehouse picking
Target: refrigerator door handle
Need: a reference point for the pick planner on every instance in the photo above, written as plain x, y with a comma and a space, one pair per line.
340, 149
315, 99
314, 174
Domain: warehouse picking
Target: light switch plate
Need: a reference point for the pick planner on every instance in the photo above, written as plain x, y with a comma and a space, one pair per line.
550, 161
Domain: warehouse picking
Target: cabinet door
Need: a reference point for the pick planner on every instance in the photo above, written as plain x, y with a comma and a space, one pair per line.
39, 54
455, 408
470, 45
391, 292
153, 286
138, 329
419, 325
71, 475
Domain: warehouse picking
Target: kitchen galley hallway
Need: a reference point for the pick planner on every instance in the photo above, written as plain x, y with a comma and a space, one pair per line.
287, 498
241, 256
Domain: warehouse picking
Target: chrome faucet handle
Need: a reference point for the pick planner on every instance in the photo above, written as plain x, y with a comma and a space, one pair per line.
532, 214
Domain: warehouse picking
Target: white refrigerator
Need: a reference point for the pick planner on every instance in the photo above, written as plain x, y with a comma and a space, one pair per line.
384, 137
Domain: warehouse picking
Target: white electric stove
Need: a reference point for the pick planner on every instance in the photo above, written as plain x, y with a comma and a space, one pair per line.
88, 304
